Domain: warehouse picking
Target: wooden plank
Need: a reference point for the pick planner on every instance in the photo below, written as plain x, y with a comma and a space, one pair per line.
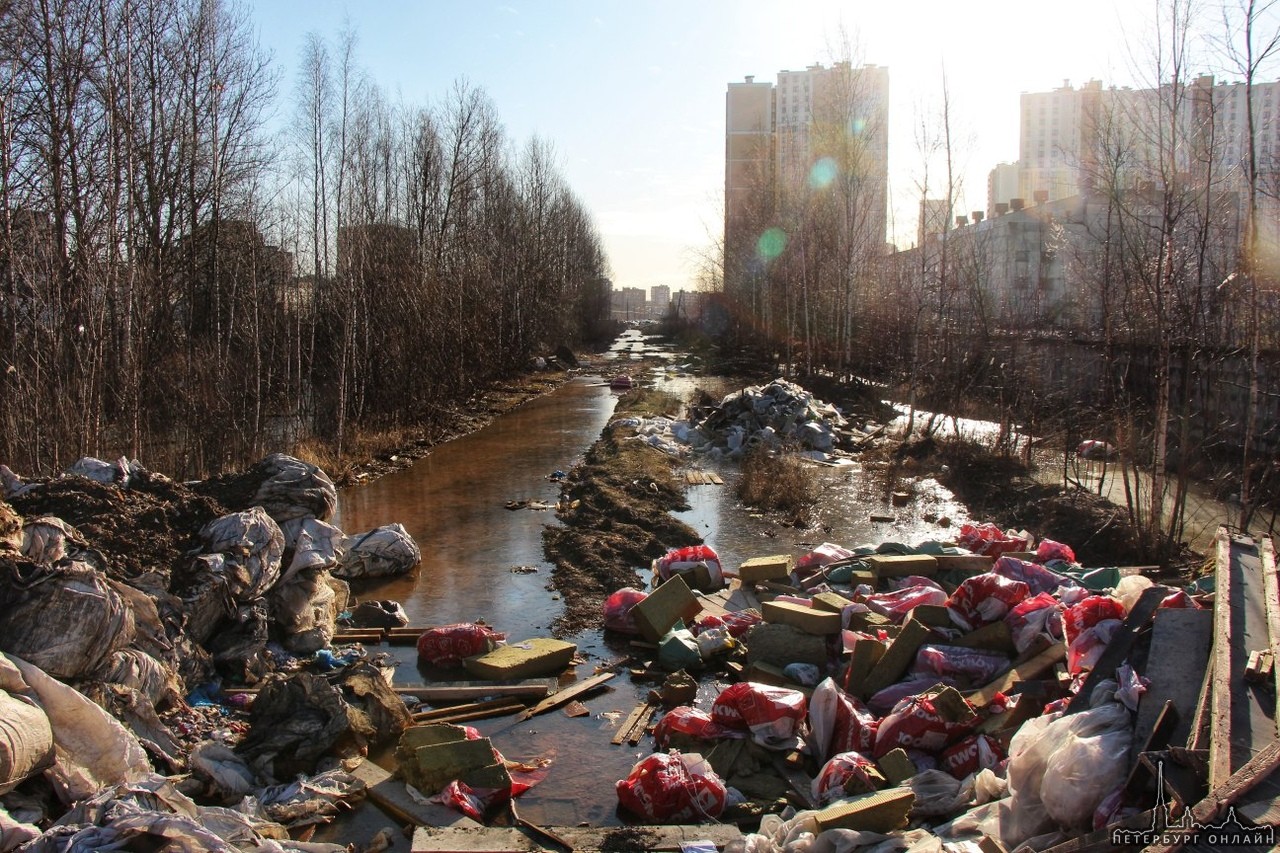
624, 729
392, 797
1222, 796
716, 479
435, 693
1025, 671
573, 691
642, 725
1117, 651
1220, 714
1181, 642
1271, 588
482, 710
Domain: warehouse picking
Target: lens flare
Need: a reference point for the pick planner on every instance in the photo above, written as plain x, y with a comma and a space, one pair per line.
822, 174
857, 126
771, 244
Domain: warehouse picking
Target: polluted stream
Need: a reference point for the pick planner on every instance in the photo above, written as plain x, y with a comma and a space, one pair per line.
483, 561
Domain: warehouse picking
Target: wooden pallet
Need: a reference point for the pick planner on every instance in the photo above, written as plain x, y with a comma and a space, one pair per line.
702, 478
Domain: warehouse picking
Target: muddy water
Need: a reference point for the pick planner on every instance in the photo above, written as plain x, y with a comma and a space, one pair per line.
477, 561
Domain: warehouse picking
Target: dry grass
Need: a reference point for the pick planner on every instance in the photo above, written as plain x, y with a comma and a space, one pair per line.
359, 449
779, 482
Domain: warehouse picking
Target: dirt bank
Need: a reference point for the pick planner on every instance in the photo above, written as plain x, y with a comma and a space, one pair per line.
615, 512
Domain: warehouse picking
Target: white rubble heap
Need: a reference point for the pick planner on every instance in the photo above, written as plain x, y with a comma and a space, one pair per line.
775, 415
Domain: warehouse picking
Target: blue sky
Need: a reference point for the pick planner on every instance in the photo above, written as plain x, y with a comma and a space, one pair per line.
631, 94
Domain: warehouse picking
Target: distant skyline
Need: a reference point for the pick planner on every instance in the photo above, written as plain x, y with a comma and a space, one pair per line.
631, 95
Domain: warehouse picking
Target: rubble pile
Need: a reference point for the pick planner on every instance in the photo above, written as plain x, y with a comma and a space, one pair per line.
774, 415
131, 605
982, 693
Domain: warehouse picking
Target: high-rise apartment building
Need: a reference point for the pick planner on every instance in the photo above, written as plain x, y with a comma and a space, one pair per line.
1071, 138
659, 300
804, 133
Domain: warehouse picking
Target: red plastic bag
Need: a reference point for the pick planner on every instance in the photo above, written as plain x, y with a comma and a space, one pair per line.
686, 559
668, 787
686, 721
1089, 612
1179, 598
736, 622
1050, 550
976, 666
838, 722
974, 753
896, 605
824, 554
1040, 614
617, 610
1089, 644
983, 599
1038, 578
916, 723
768, 713
991, 540
447, 645
844, 775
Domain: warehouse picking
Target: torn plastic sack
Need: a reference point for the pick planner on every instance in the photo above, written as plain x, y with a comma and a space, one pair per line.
698, 564
115, 473
771, 714
1037, 578
922, 722
295, 722
446, 646
227, 773
45, 539
382, 552
684, 724
313, 543
142, 672
1088, 646
972, 754
1089, 612
26, 740
65, 619
306, 608
896, 605
672, 787
938, 794
975, 666
1050, 550
617, 610
991, 540
885, 700
985, 598
1090, 759
823, 555
93, 751
379, 614
292, 488
250, 544
736, 622
845, 775
1039, 615
838, 722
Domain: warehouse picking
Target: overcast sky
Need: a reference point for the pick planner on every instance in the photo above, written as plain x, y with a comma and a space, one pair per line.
631, 94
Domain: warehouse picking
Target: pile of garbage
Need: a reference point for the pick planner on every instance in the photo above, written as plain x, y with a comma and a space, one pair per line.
973, 692
775, 415
132, 604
